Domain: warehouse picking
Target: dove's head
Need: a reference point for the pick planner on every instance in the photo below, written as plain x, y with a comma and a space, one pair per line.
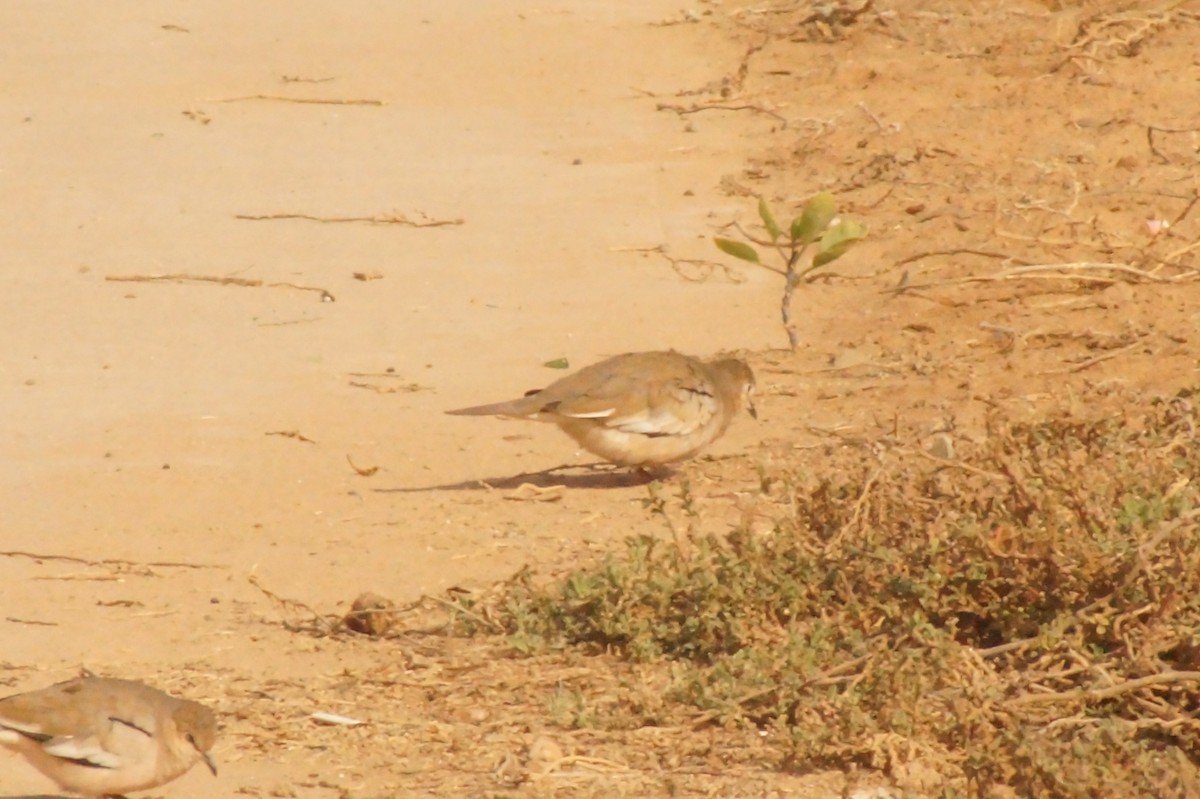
735, 381
197, 726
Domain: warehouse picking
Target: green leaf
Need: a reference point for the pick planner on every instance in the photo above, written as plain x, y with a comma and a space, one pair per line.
738, 249
818, 212
768, 219
837, 240
558, 363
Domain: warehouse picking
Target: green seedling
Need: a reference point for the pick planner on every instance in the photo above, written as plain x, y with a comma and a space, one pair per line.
816, 226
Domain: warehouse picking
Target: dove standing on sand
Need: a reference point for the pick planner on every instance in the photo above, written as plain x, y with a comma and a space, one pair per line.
639, 409
103, 737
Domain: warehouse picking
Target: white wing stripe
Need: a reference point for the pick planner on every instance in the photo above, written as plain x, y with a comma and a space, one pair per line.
604, 414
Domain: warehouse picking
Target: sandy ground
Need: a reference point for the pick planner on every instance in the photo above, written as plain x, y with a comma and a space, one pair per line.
469, 195
140, 415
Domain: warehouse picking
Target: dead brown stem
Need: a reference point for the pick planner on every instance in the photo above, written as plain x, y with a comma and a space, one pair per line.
305, 100
296, 434
15, 553
223, 281
386, 219
1096, 694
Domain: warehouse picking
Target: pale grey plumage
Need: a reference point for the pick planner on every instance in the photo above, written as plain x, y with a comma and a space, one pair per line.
104, 737
641, 408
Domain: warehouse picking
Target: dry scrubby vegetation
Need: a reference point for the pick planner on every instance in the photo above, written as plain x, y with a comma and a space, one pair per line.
1025, 615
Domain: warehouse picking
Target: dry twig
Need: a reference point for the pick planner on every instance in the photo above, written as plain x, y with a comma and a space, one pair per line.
223, 281
1097, 694
322, 624
704, 269
296, 434
303, 100
162, 564
408, 388
385, 219
683, 110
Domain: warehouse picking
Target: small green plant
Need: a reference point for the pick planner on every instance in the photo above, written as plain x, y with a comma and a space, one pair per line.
570, 710
817, 225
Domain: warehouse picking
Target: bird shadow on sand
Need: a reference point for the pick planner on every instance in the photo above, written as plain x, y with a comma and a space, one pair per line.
34, 796
596, 475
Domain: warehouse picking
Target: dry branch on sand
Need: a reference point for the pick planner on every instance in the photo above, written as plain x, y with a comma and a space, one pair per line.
219, 280
302, 100
383, 219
